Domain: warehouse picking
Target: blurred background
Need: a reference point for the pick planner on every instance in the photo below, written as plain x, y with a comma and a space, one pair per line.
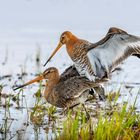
30, 30
28, 26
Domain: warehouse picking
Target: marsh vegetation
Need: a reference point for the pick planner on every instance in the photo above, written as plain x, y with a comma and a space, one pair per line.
25, 114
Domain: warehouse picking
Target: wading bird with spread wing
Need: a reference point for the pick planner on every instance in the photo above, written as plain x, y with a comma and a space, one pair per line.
98, 60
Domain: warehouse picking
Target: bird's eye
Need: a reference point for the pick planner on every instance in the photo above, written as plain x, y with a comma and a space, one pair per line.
49, 72
62, 38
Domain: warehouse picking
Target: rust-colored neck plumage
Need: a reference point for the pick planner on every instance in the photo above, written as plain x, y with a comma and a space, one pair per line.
52, 82
70, 44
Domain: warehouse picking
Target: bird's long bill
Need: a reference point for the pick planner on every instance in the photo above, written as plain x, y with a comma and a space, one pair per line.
54, 52
37, 79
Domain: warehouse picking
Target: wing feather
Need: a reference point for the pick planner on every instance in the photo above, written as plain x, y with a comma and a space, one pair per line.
74, 87
104, 56
68, 73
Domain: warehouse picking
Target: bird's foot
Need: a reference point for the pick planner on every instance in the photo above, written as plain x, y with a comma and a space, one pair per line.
102, 97
65, 111
87, 114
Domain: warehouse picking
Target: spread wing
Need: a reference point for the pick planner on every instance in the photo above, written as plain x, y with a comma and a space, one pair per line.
106, 54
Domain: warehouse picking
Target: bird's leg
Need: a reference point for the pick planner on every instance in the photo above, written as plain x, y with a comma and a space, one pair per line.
92, 92
87, 114
101, 92
65, 111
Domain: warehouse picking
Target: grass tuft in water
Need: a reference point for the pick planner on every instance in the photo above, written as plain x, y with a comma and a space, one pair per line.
122, 123
51, 113
117, 126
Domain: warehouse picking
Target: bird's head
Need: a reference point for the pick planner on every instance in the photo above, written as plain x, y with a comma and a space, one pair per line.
65, 38
48, 74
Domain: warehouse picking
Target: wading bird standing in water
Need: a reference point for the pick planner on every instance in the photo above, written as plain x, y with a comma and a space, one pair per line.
66, 90
98, 60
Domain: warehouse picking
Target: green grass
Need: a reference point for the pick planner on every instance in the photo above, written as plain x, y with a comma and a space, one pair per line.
112, 122
122, 124
41, 109
118, 126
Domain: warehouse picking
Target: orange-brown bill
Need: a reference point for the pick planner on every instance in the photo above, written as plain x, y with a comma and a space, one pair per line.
37, 79
54, 52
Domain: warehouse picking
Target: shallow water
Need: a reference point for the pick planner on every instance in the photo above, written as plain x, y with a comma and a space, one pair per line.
21, 65
30, 30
